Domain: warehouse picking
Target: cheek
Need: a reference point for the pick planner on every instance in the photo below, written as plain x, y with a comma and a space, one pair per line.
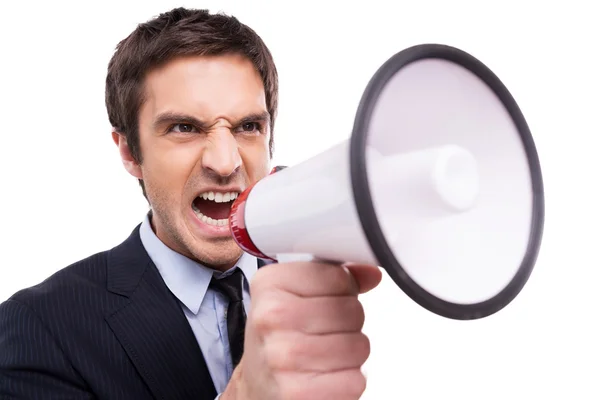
167, 167
256, 160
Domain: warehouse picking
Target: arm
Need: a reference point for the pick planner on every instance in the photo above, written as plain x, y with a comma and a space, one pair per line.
32, 365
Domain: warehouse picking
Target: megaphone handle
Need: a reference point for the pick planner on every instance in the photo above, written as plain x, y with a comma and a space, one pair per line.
302, 257
294, 257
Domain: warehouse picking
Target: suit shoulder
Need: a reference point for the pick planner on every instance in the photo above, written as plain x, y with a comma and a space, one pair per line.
67, 284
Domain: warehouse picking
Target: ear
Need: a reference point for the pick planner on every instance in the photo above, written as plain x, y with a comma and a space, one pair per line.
128, 162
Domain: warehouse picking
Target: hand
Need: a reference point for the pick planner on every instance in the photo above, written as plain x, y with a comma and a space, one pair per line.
304, 335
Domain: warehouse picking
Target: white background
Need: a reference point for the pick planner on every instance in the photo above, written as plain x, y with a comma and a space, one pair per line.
65, 194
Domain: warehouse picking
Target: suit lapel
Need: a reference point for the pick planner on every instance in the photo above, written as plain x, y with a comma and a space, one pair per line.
152, 327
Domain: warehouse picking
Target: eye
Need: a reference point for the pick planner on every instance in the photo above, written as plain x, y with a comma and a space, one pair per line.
182, 128
249, 127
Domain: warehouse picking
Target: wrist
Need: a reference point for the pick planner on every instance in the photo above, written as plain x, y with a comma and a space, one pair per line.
233, 390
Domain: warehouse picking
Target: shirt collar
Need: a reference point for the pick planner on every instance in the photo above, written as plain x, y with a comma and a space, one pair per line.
187, 279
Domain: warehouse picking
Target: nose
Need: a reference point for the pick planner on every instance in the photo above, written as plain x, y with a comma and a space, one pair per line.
221, 154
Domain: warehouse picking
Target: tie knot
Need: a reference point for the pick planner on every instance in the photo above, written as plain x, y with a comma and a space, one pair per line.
230, 285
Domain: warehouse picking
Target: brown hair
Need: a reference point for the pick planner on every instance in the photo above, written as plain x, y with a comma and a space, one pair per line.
179, 32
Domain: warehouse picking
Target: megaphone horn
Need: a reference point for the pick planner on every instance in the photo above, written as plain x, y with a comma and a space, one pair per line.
439, 184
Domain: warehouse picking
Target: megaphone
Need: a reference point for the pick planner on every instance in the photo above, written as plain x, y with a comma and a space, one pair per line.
439, 184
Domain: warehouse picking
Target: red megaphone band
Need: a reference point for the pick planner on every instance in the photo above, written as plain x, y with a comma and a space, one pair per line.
237, 223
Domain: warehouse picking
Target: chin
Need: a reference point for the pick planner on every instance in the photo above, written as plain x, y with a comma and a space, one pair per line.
220, 255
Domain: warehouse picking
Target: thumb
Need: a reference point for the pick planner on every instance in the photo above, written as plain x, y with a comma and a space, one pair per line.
367, 277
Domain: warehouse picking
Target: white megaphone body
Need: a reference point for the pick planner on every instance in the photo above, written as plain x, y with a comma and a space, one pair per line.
439, 184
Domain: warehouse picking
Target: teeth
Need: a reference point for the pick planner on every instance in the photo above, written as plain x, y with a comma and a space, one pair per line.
209, 220
219, 197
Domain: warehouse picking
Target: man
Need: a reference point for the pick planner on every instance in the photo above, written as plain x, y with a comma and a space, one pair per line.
192, 97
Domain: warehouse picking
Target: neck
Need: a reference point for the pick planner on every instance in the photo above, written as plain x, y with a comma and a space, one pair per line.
218, 267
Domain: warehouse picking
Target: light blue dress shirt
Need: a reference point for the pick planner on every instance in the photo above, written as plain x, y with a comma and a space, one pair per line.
204, 308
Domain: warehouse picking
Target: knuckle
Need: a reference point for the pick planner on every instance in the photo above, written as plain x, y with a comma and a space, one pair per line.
294, 351
272, 355
268, 314
285, 352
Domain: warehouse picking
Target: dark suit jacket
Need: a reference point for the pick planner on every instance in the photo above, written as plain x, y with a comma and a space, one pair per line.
106, 327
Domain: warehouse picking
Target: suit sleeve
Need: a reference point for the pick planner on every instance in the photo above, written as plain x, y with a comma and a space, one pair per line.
32, 365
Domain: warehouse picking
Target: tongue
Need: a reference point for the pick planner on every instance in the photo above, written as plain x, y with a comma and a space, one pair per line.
212, 209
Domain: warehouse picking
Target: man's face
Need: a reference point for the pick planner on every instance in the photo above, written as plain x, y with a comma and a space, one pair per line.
204, 138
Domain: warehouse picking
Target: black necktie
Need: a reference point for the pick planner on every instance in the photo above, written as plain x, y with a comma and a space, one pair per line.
231, 287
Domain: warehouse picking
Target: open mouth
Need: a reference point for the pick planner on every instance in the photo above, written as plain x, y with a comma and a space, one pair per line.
213, 208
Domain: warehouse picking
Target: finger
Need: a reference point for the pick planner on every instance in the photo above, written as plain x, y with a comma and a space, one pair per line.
314, 315
319, 315
295, 351
348, 384
367, 277
305, 279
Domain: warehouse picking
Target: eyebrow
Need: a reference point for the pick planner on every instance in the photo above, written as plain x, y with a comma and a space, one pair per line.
264, 117
170, 118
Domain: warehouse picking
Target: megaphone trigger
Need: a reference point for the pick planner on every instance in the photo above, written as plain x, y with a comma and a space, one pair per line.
277, 169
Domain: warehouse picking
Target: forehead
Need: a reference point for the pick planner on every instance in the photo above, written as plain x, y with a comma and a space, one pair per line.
225, 86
